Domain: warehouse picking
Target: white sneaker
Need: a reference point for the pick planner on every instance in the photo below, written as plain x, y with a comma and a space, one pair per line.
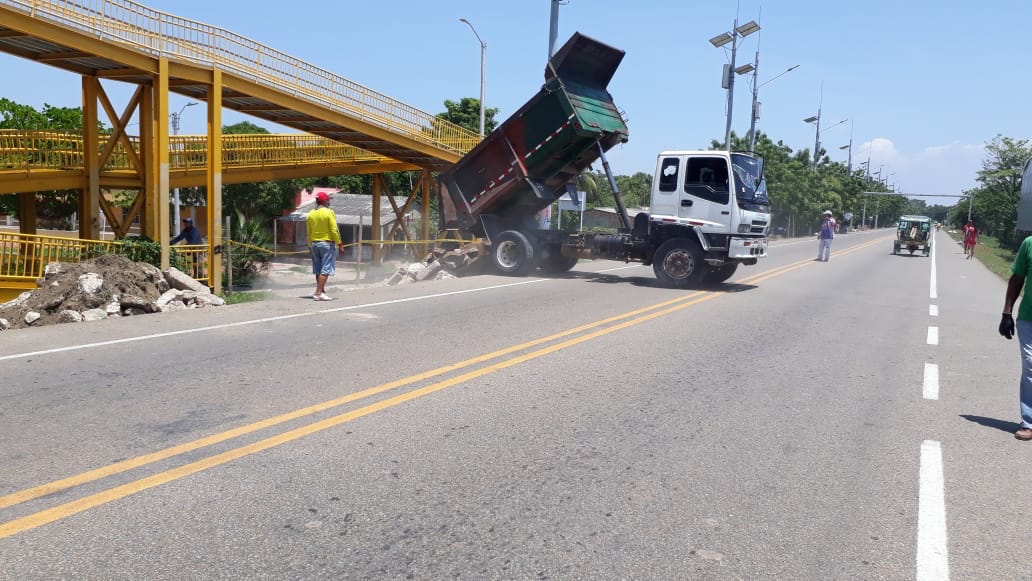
323, 297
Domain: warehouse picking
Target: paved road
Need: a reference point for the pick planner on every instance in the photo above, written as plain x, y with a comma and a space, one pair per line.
588, 427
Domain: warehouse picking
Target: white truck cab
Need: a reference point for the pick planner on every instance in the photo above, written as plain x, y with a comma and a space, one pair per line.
721, 195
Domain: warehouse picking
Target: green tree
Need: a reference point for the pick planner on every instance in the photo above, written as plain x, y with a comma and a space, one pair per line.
995, 202
466, 113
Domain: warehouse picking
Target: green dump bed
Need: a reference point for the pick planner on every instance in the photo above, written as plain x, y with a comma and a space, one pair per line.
525, 164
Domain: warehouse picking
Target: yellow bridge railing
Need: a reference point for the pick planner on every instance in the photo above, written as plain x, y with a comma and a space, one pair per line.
64, 150
23, 257
160, 34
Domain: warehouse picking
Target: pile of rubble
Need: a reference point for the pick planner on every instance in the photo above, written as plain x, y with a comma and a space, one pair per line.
440, 264
103, 287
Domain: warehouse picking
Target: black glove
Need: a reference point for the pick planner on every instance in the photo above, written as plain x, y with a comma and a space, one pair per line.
1007, 326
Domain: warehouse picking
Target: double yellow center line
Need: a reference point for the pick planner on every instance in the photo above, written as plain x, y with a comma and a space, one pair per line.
601, 327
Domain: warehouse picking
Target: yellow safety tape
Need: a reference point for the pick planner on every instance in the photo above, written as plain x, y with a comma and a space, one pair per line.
369, 242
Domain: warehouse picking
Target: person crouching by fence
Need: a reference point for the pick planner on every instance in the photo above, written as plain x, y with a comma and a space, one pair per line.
825, 236
324, 239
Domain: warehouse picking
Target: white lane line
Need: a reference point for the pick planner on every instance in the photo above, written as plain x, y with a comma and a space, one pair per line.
933, 291
932, 555
933, 310
284, 317
270, 319
931, 381
933, 335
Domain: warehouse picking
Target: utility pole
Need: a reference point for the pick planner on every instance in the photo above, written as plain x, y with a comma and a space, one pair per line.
755, 103
553, 29
731, 85
175, 193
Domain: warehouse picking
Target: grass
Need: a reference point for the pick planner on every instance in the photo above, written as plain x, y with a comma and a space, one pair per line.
246, 297
991, 254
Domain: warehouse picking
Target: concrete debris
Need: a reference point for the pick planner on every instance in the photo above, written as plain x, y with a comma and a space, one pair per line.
100, 288
440, 264
17, 301
167, 297
176, 305
179, 280
207, 299
90, 283
94, 315
69, 316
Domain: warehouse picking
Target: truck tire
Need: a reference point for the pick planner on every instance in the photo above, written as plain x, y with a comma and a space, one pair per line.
719, 274
895, 247
678, 263
512, 253
557, 263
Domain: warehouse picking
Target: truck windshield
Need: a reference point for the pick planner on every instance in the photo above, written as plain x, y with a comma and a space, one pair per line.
750, 186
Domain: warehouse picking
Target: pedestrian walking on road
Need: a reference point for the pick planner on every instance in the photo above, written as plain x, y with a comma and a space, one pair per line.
970, 239
1019, 271
825, 236
324, 238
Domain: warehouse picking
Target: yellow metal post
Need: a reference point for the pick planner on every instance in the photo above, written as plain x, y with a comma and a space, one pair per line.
27, 213
214, 181
425, 180
89, 196
376, 233
160, 198
149, 220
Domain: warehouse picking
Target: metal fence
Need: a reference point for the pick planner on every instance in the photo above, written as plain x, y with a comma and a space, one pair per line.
63, 150
23, 257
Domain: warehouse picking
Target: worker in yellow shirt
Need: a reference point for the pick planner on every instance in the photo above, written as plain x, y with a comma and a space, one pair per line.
324, 238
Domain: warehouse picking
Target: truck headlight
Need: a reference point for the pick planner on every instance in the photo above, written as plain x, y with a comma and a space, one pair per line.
744, 228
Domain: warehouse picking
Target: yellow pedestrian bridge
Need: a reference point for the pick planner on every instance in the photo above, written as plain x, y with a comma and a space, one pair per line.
52, 160
162, 53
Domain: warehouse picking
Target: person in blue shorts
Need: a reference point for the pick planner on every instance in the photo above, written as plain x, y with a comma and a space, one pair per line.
324, 239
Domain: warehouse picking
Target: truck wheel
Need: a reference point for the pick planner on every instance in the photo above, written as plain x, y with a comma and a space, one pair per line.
718, 274
895, 247
557, 263
678, 263
513, 253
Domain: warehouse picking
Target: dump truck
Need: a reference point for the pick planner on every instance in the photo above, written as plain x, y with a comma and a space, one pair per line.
709, 209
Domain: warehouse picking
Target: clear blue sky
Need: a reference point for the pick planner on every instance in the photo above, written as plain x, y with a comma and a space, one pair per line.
924, 83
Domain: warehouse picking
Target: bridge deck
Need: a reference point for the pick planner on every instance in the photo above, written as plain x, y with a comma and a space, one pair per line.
124, 40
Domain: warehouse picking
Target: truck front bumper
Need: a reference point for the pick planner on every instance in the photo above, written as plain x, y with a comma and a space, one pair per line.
744, 248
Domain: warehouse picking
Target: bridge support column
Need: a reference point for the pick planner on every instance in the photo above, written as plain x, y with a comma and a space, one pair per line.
27, 213
157, 197
425, 182
214, 181
89, 196
148, 126
377, 233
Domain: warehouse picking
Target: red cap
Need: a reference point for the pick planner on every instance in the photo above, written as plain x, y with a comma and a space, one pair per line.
322, 197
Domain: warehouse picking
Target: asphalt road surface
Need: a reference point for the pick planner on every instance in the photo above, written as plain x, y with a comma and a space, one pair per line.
807, 420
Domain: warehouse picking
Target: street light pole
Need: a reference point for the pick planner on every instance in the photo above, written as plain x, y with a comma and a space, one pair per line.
731, 87
719, 41
175, 193
483, 71
755, 99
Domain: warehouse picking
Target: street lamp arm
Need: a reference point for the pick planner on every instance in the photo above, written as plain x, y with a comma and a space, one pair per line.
468, 23
785, 72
